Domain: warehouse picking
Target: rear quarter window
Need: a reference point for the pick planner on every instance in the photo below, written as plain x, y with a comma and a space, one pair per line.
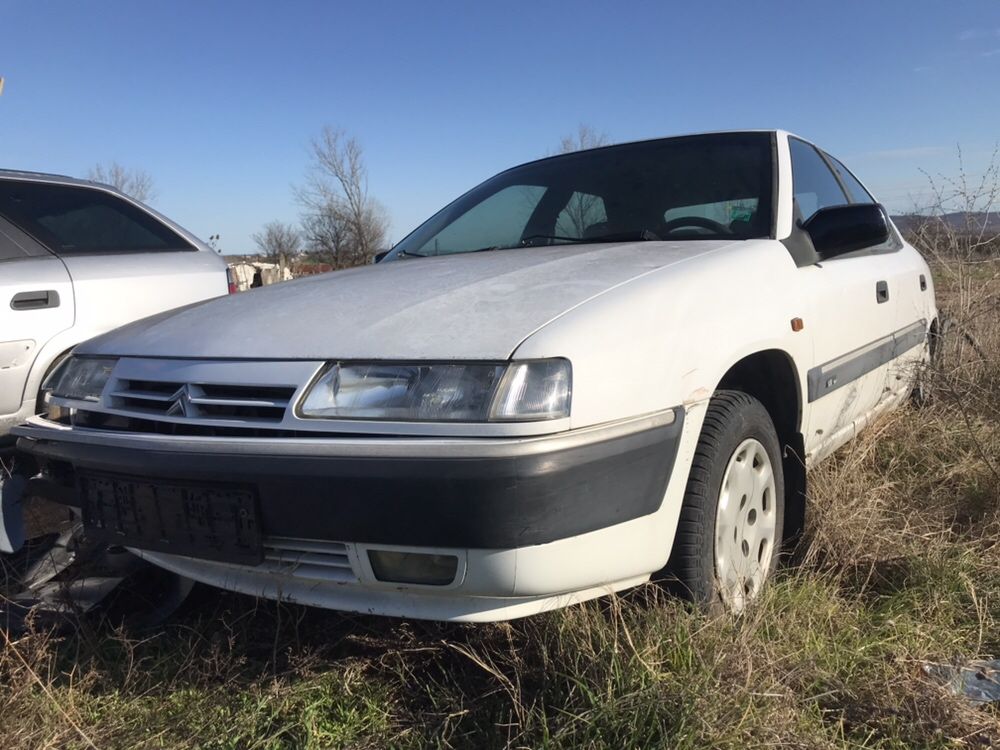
72, 220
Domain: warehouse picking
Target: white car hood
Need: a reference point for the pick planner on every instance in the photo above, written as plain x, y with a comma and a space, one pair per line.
472, 306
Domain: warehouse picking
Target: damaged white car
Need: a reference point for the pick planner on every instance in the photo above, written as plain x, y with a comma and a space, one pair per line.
589, 370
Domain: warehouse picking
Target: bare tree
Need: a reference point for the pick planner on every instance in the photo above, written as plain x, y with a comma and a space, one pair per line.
279, 242
959, 235
962, 219
136, 183
585, 137
582, 210
341, 222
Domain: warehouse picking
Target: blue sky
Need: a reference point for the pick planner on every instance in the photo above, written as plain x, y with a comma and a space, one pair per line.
218, 100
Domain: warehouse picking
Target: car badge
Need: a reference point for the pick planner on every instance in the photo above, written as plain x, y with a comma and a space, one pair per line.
181, 403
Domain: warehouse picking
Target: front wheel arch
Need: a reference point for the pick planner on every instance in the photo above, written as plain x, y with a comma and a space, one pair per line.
770, 376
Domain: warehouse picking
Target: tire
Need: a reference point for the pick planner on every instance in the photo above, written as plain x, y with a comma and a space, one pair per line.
729, 489
921, 393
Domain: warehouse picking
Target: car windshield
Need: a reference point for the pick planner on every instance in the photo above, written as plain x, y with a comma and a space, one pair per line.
695, 187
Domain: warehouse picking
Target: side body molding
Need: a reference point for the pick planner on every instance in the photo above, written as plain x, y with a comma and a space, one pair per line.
836, 373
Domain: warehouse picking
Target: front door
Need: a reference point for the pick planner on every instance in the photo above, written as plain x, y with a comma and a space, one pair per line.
852, 315
853, 318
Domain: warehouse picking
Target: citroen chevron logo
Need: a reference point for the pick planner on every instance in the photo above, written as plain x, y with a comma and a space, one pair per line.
181, 403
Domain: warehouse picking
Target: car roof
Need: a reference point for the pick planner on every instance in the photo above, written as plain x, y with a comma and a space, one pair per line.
55, 179
60, 179
773, 131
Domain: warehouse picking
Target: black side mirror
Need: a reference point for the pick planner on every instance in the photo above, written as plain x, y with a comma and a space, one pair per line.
837, 230
380, 255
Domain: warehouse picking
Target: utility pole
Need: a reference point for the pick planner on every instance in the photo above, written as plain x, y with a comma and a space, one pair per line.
1, 85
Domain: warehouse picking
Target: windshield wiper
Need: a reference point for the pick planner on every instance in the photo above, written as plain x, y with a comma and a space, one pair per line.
636, 236
526, 241
408, 254
642, 235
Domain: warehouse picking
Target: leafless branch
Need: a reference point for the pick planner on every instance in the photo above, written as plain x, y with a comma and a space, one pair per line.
278, 241
340, 221
135, 183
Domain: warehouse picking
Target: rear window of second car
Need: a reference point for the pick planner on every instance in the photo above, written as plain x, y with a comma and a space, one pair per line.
72, 220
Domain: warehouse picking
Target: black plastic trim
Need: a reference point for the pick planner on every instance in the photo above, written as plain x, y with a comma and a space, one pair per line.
470, 502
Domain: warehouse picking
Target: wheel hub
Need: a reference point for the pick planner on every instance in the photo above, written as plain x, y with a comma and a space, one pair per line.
745, 524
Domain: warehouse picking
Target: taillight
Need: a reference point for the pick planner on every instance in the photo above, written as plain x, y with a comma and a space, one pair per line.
231, 278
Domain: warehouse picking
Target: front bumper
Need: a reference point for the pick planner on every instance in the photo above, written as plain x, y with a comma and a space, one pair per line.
537, 522
495, 493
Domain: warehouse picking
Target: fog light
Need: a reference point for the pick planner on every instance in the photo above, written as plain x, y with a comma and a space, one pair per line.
413, 567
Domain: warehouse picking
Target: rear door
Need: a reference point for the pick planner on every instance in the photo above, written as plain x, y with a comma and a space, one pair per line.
36, 304
852, 316
124, 262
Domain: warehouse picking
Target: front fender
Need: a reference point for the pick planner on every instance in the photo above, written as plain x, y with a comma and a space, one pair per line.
669, 337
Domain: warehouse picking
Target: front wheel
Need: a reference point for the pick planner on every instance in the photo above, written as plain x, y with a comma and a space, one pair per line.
731, 523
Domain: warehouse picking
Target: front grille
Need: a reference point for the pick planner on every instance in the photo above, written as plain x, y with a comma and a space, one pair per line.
203, 401
202, 398
308, 558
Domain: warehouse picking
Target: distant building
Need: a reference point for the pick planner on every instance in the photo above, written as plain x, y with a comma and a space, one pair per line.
250, 274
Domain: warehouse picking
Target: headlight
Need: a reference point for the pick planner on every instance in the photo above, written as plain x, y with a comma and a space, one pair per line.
81, 378
449, 392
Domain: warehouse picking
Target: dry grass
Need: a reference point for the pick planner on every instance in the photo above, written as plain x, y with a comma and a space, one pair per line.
901, 567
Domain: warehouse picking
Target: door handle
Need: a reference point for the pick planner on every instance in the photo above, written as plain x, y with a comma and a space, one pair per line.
881, 292
35, 300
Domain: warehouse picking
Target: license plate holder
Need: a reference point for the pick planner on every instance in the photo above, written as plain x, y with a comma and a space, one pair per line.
203, 520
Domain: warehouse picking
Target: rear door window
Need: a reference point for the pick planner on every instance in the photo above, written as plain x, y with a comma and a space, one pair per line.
73, 220
814, 185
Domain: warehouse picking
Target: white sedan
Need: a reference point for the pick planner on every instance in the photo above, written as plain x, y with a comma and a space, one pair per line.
589, 370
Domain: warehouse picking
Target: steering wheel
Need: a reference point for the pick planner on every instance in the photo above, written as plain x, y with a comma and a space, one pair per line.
694, 221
